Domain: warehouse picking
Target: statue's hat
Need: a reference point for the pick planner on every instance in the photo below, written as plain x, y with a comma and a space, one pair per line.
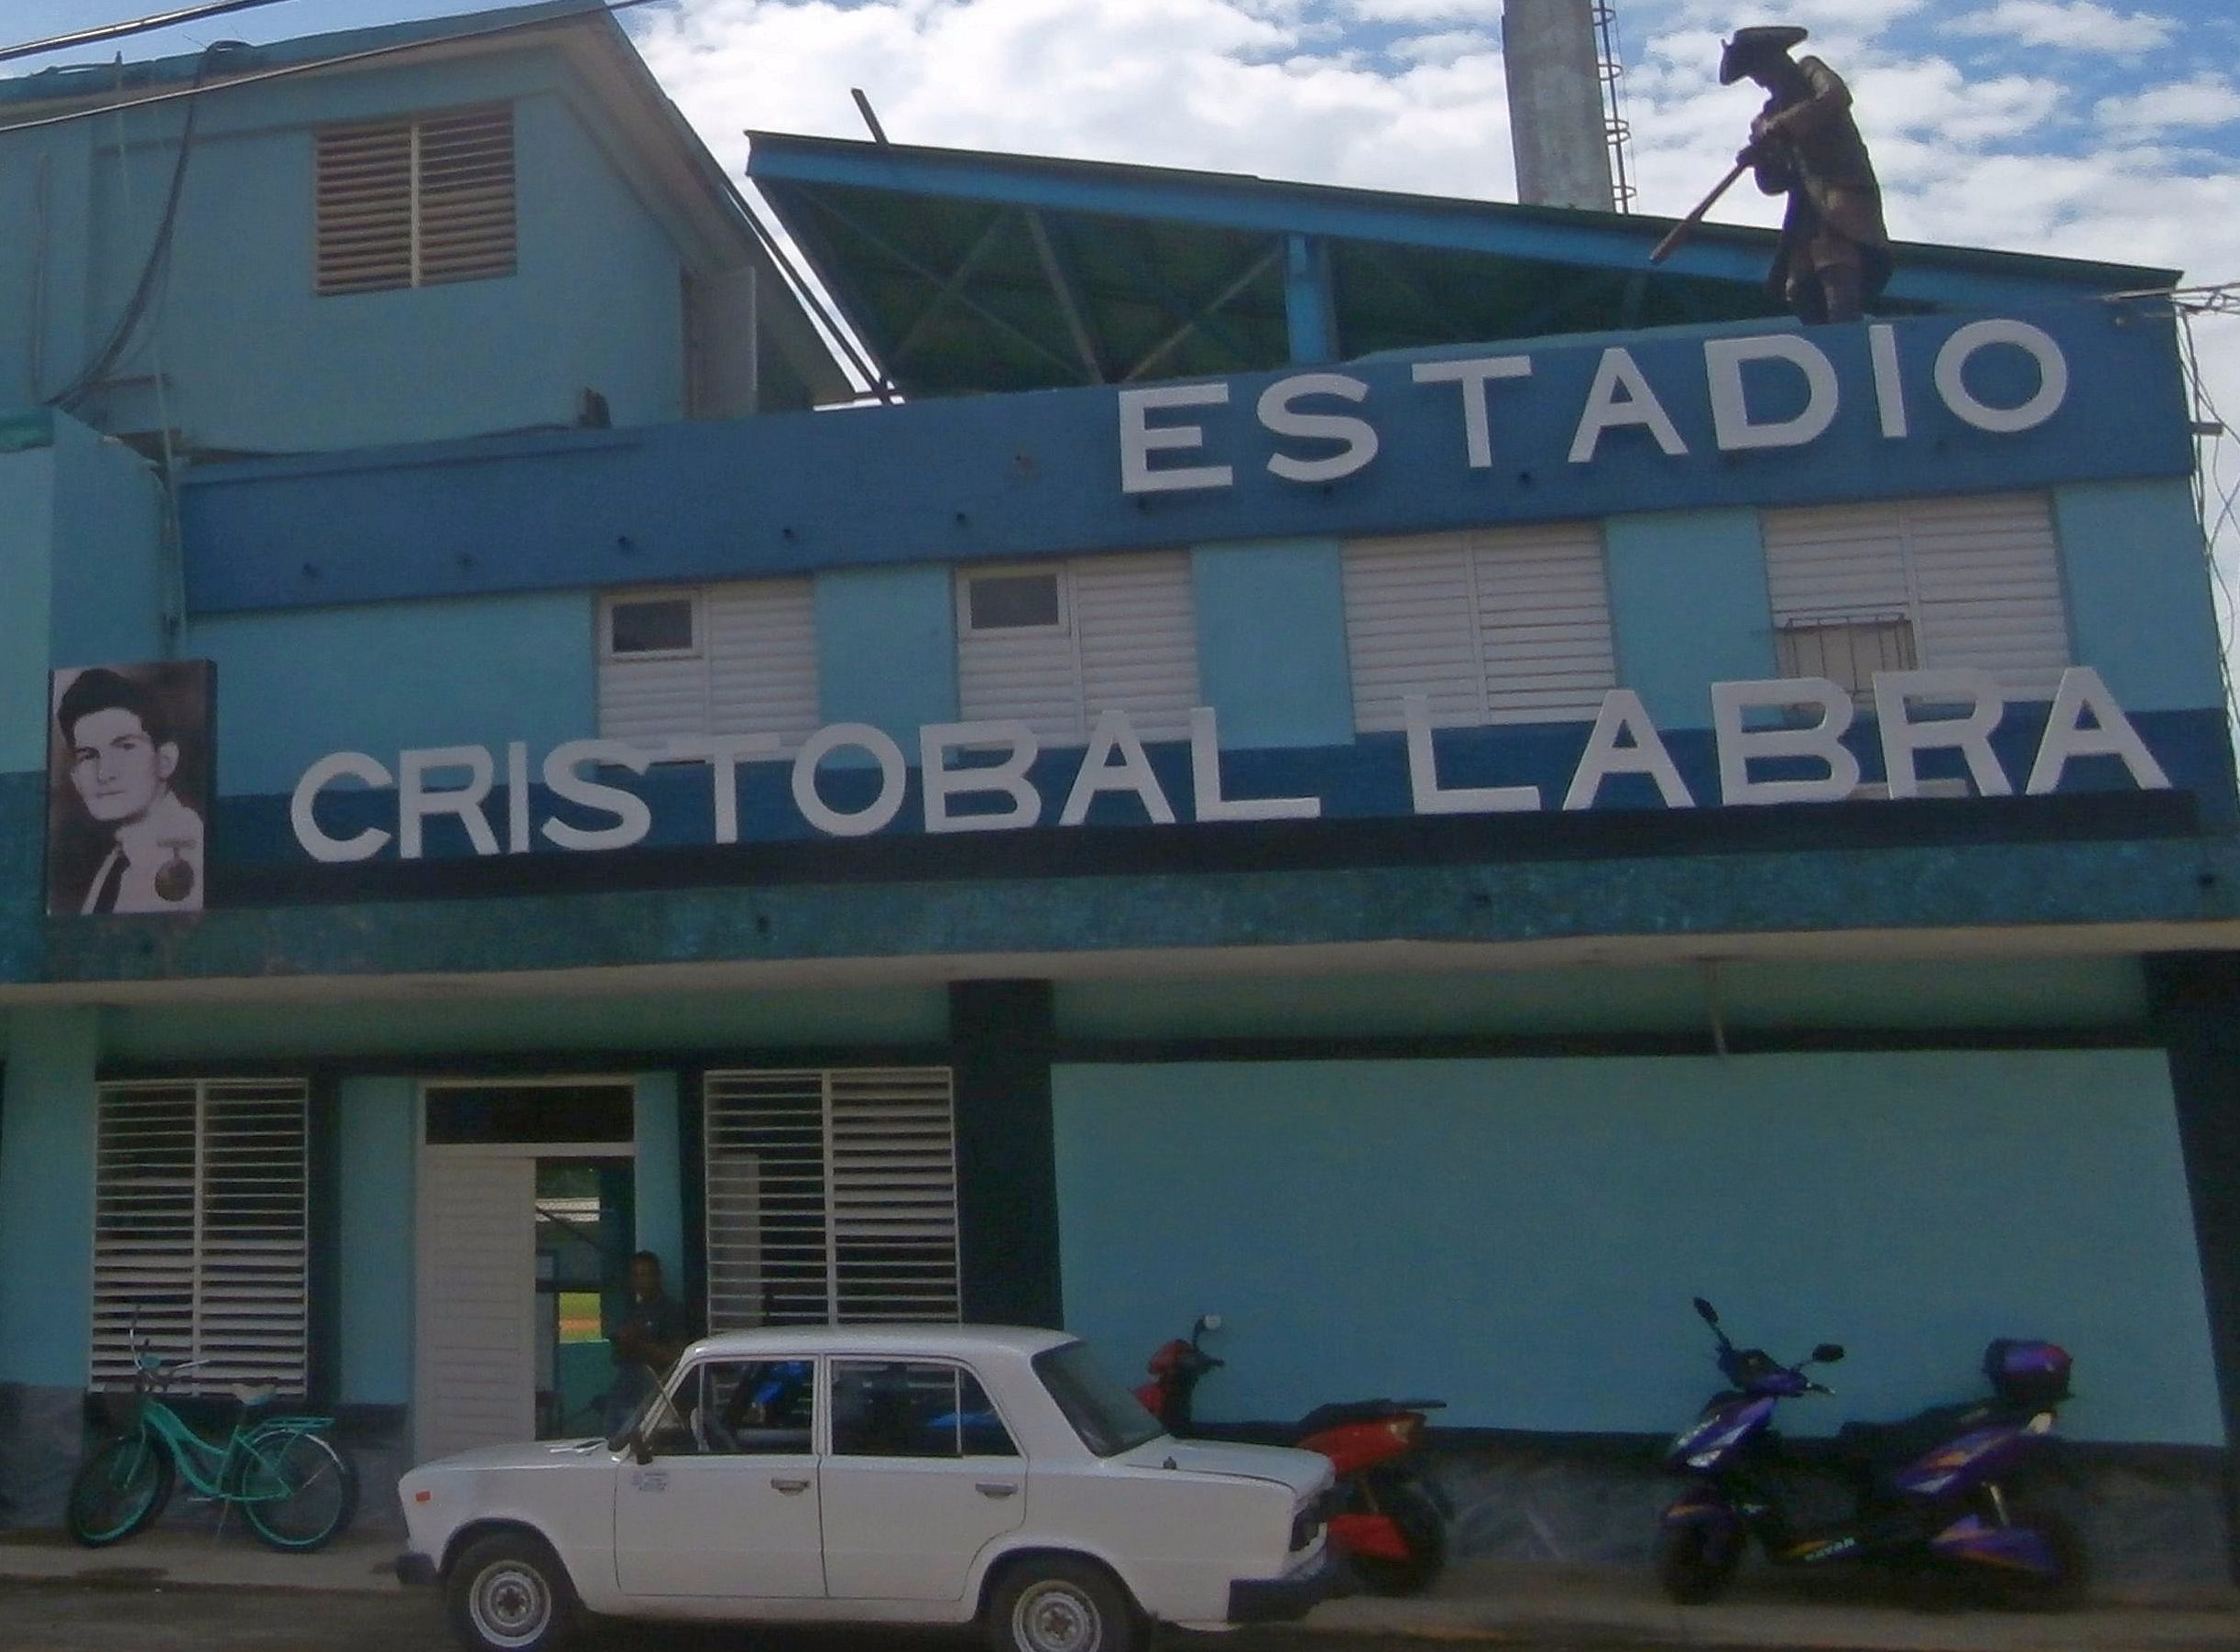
1750, 44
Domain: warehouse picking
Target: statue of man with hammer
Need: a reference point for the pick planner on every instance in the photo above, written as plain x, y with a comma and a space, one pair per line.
1834, 255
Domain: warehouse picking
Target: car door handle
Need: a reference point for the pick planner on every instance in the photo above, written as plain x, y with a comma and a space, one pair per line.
790, 1486
996, 1488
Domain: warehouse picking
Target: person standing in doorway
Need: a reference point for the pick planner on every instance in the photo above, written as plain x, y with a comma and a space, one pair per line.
652, 1332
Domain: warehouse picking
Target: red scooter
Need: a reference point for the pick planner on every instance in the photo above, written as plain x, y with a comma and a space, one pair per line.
1391, 1528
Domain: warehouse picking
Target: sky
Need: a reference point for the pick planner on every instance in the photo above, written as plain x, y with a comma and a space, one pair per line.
2075, 127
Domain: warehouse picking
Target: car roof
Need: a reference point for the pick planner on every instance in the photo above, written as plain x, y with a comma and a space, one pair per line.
888, 1341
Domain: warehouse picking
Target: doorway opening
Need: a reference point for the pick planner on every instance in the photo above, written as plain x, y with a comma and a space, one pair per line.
527, 1216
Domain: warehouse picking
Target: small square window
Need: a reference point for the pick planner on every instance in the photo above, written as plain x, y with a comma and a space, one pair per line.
897, 1408
651, 625
1013, 602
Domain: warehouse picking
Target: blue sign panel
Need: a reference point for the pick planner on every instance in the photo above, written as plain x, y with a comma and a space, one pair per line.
1588, 427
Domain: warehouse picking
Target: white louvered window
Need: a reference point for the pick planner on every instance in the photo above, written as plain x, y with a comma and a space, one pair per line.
1053, 645
1508, 625
831, 1196
1929, 582
730, 659
416, 203
200, 1231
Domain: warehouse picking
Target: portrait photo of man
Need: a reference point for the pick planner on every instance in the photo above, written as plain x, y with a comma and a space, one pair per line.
128, 788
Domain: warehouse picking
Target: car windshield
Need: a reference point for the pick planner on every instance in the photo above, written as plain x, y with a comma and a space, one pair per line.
656, 1411
1107, 1418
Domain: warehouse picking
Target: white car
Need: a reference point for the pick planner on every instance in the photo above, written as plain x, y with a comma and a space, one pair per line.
919, 1474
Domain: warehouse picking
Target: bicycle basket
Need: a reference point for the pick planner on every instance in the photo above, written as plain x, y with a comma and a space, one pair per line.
123, 1407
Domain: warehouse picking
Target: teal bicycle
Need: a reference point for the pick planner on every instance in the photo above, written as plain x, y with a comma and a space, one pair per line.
293, 1486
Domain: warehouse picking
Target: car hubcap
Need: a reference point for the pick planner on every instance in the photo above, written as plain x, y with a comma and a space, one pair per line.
1051, 1618
511, 1605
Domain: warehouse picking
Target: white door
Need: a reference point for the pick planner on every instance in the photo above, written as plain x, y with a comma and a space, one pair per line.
923, 1476
729, 1507
476, 1370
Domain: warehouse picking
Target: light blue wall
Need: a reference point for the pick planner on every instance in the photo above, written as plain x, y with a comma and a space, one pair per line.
390, 676
450, 1025
1688, 607
886, 649
1918, 993
2140, 607
26, 546
110, 573
1522, 1237
47, 1137
379, 1129
1272, 642
660, 1139
595, 302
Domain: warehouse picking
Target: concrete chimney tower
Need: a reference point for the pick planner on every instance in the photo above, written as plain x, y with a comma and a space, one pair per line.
1555, 119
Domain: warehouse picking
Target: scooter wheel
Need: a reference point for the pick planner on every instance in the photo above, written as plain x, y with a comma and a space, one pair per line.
2026, 1591
1420, 1527
1693, 1565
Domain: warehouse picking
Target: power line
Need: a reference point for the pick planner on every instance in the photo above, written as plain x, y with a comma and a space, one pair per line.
117, 32
368, 54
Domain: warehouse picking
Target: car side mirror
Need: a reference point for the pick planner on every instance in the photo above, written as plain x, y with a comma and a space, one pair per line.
1828, 1353
639, 1452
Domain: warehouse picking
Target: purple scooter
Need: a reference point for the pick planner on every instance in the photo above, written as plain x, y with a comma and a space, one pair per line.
1929, 1493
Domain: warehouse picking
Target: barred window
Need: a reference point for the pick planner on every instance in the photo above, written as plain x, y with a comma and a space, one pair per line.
831, 1196
416, 203
200, 1231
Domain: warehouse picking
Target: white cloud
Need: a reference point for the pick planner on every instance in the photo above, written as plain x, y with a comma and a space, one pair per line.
2076, 26
2205, 101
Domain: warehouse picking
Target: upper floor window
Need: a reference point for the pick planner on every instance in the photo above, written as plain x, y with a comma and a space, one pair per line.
1053, 645
415, 203
729, 659
1932, 584
1506, 625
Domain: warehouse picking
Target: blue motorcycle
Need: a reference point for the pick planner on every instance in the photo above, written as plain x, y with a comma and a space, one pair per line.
1929, 1493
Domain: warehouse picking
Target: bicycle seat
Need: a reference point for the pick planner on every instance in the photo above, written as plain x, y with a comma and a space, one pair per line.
252, 1394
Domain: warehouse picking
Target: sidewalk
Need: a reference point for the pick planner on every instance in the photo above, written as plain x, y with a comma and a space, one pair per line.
1480, 1601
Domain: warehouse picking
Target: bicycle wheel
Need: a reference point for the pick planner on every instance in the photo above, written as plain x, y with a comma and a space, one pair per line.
122, 1487
299, 1493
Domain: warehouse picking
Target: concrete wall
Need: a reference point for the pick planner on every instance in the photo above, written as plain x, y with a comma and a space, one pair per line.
1522, 1237
595, 302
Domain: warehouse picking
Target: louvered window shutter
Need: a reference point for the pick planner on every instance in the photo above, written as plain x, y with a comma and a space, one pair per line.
1491, 625
1125, 639
416, 203
831, 1196
748, 666
200, 1231
1938, 582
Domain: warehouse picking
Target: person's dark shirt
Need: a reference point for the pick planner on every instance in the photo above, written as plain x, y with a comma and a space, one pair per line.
660, 1319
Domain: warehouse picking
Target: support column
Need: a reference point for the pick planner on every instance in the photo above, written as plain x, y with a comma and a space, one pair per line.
46, 1147
1000, 1035
2196, 1007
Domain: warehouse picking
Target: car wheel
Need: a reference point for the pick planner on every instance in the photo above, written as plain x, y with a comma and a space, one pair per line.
508, 1592
1061, 1605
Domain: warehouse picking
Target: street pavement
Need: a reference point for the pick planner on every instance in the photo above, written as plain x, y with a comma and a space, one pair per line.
180, 1590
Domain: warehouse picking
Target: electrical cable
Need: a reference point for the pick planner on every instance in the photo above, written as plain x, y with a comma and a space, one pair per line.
158, 258
118, 31
876, 381
365, 55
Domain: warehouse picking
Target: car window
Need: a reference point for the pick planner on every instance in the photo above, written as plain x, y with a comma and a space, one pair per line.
738, 1408
1107, 1418
913, 1408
